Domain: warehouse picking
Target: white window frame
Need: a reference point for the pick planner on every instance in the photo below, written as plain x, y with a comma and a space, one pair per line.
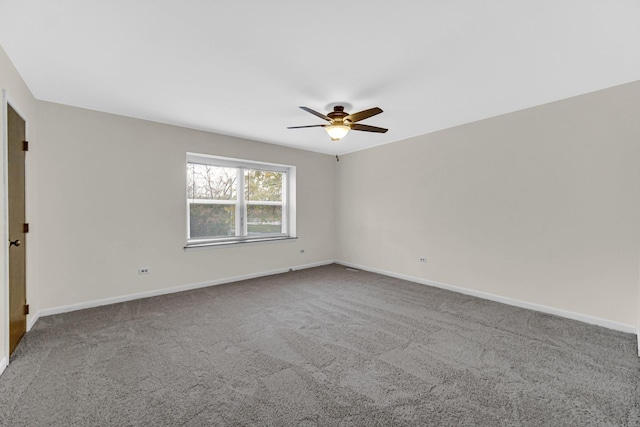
288, 201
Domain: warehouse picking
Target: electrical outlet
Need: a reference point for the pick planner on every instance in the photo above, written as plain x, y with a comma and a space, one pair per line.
144, 270
423, 259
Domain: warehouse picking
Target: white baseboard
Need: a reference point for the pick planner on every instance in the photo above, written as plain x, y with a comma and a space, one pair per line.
165, 291
3, 364
32, 321
505, 300
610, 324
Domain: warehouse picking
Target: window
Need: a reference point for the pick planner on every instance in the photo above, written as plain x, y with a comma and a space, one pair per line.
231, 200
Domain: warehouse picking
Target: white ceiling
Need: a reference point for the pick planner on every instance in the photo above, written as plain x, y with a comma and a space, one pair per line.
243, 67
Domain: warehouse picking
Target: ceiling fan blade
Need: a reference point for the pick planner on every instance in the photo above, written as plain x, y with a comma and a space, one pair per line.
356, 117
315, 113
308, 126
367, 128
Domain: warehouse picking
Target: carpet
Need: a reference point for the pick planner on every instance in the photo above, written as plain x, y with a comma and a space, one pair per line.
319, 347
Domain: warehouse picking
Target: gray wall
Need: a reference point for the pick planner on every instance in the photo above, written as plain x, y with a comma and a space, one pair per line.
540, 205
112, 192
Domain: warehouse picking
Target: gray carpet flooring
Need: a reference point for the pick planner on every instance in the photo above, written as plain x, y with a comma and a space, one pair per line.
324, 346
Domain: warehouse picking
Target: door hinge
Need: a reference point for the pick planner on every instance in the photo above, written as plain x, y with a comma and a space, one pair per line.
26, 309
25, 145
25, 228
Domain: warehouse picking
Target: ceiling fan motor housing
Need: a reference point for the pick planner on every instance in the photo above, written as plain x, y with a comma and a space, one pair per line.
337, 115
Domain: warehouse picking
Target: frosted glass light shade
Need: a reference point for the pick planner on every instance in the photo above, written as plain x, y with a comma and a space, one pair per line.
337, 131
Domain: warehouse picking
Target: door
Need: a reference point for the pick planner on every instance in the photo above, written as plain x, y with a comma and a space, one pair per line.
17, 243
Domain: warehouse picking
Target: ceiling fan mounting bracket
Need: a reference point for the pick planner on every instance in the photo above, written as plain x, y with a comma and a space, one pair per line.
346, 105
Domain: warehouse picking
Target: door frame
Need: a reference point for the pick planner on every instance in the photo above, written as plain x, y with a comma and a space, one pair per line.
7, 100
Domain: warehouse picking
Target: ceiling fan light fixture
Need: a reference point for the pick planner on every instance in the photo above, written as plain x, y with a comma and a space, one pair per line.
337, 132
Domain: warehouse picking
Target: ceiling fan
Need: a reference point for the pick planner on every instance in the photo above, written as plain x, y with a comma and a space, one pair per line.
340, 122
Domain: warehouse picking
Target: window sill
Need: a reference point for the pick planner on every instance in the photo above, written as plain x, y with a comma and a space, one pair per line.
236, 243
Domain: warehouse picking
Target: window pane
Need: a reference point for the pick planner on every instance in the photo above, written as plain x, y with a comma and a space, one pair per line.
209, 220
263, 185
264, 219
211, 182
